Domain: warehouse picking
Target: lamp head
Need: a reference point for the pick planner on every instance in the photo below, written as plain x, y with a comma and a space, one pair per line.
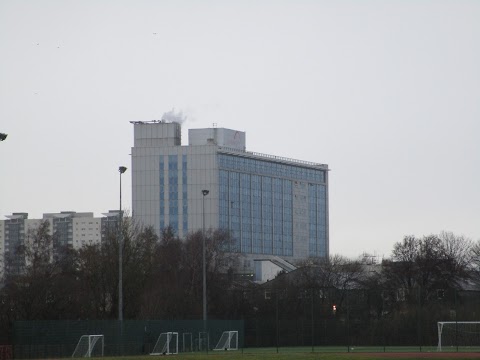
3, 136
122, 169
205, 192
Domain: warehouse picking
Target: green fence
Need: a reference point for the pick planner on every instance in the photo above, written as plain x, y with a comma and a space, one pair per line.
56, 339
317, 319
362, 318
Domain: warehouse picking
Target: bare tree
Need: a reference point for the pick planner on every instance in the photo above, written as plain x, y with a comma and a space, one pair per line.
45, 288
176, 286
97, 280
334, 272
164, 295
429, 263
458, 256
98, 268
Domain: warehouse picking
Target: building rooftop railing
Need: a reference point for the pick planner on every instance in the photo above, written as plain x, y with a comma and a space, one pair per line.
274, 157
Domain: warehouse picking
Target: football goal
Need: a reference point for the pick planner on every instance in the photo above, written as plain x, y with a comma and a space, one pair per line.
166, 344
228, 341
89, 346
453, 334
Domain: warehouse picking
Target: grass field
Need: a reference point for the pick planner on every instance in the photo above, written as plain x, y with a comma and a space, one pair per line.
332, 353
308, 356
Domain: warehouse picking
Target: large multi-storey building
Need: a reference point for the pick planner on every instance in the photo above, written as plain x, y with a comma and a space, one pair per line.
272, 206
68, 228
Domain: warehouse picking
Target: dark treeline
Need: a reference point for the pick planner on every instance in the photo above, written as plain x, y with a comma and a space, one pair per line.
162, 279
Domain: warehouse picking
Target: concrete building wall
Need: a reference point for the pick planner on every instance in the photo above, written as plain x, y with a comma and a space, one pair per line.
150, 169
145, 185
152, 135
86, 231
202, 175
217, 136
265, 271
2, 247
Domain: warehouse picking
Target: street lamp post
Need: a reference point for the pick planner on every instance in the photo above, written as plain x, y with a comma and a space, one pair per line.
204, 268
121, 170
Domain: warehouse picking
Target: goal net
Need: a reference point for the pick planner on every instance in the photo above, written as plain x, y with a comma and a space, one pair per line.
166, 344
228, 341
89, 346
453, 334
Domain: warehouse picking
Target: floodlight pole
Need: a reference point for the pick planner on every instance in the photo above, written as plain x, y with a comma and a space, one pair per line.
204, 267
121, 170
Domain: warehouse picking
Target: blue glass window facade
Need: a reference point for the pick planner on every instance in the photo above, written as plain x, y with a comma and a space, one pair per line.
271, 169
234, 210
317, 220
267, 215
246, 213
287, 218
223, 205
184, 194
177, 202
277, 207
173, 191
162, 193
322, 220
257, 205
256, 214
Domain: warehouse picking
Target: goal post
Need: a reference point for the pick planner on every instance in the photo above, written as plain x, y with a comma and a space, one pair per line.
167, 344
464, 334
89, 346
228, 341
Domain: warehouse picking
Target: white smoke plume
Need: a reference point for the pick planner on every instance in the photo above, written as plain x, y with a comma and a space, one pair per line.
171, 116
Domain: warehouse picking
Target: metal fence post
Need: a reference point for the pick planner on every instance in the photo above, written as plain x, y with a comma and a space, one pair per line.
419, 318
456, 320
311, 317
276, 315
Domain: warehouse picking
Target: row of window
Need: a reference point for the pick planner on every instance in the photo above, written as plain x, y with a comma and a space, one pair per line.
256, 208
185, 194
173, 192
162, 194
257, 213
268, 168
317, 228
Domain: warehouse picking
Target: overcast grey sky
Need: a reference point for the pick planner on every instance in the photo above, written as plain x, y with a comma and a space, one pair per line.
385, 92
